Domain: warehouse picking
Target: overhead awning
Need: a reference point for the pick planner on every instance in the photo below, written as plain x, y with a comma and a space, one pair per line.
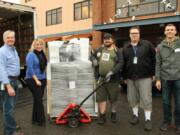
169, 19
52, 39
69, 33
79, 36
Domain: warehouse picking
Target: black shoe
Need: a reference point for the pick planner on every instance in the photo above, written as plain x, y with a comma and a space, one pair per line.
164, 126
134, 120
34, 123
147, 125
178, 130
42, 124
101, 119
113, 117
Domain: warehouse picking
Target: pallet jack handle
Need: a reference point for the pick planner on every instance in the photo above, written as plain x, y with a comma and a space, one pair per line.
99, 85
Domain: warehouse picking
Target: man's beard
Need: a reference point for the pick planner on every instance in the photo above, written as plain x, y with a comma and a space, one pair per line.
108, 45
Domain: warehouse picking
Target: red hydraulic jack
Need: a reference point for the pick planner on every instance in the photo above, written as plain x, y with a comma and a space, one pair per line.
74, 114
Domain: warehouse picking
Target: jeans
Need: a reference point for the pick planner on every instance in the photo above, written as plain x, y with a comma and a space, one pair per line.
8, 103
169, 88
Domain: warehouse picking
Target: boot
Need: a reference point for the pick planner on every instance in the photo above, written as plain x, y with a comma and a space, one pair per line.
101, 119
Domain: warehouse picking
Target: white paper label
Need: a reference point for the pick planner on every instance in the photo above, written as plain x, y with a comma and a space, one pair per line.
105, 56
177, 50
135, 60
2, 86
98, 54
72, 84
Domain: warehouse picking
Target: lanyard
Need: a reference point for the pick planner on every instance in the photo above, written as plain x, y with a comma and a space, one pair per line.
135, 48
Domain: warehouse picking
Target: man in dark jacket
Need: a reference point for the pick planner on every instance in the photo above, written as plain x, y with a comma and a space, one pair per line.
168, 75
139, 66
108, 63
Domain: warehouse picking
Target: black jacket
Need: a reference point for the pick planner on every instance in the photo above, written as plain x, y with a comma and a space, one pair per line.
145, 66
117, 70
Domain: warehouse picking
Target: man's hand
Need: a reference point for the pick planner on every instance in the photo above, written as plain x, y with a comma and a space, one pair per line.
10, 90
108, 76
158, 85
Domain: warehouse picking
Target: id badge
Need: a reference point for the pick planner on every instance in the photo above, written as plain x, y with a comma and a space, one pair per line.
105, 56
1, 86
135, 60
177, 50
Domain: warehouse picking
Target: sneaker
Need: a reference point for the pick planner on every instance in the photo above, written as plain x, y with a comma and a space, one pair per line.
134, 120
178, 130
101, 119
113, 117
147, 125
164, 126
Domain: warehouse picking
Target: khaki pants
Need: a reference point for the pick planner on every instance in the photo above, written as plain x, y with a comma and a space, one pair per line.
139, 92
109, 91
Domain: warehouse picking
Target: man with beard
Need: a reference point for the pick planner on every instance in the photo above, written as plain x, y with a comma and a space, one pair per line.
108, 62
139, 65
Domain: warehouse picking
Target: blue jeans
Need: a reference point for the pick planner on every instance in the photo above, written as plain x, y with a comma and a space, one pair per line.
169, 88
8, 103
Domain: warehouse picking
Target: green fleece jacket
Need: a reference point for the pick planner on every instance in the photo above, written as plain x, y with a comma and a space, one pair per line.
168, 60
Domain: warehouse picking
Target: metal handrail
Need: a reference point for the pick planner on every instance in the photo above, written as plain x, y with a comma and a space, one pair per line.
158, 2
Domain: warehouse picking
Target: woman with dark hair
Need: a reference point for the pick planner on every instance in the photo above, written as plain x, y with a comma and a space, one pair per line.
36, 62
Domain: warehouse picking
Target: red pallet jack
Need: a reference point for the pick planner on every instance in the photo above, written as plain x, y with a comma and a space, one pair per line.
74, 114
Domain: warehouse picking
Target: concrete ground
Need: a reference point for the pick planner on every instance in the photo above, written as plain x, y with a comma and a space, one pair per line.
23, 118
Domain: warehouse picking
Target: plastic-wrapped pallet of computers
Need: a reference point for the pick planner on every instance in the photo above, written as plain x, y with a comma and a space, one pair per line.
71, 76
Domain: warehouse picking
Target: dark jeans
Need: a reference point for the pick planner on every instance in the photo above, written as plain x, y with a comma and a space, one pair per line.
169, 88
38, 115
8, 103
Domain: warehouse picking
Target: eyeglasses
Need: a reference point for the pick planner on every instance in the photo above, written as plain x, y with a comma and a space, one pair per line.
134, 33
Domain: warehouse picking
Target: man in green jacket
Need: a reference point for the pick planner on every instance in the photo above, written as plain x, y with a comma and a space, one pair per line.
168, 75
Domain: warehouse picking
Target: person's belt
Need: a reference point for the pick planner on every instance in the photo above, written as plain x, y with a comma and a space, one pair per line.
13, 77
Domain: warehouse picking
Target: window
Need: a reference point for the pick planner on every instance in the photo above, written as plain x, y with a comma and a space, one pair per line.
27, 0
83, 10
54, 16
